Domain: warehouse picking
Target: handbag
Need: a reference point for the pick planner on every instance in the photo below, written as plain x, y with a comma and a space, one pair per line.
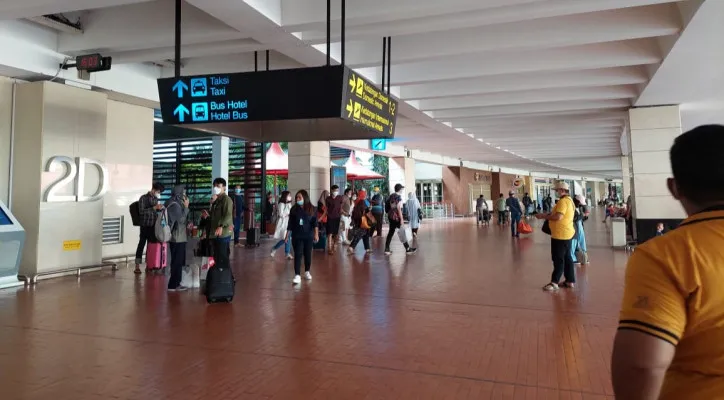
524, 228
546, 228
405, 234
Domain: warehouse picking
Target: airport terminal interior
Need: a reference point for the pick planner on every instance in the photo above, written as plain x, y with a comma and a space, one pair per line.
451, 128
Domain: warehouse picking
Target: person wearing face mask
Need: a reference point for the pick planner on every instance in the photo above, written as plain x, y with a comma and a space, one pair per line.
560, 224
178, 211
283, 209
221, 218
378, 210
334, 217
239, 210
304, 230
395, 217
148, 205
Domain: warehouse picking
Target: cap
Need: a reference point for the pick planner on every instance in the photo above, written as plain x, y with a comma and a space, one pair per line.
511, 192
398, 187
581, 199
376, 188
560, 185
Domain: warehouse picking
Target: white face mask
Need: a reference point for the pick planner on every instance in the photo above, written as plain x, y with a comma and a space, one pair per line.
289, 198
158, 195
335, 194
217, 190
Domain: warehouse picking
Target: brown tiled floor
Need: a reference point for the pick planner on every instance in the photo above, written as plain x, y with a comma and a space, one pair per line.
463, 319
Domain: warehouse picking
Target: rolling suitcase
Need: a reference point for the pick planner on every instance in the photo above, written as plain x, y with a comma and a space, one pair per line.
253, 237
156, 256
220, 285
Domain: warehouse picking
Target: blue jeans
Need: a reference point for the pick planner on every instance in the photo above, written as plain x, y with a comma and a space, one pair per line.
287, 245
514, 219
579, 241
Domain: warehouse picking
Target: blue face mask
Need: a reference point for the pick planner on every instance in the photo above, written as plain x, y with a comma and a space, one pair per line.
237, 191
300, 202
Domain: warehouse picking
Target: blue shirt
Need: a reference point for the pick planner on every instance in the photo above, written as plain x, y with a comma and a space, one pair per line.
514, 205
239, 205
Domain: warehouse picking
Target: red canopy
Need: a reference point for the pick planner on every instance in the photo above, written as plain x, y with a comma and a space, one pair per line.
277, 161
357, 172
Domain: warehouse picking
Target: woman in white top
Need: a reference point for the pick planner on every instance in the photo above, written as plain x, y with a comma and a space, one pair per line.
285, 205
413, 212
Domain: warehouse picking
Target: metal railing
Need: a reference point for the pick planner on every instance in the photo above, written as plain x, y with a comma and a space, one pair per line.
438, 210
33, 279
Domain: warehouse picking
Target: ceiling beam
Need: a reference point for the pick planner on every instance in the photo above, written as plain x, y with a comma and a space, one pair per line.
529, 108
10, 10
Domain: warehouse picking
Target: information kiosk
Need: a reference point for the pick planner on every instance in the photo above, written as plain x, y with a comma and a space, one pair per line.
12, 239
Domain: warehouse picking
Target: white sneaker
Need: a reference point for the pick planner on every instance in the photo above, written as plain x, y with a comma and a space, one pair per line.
297, 279
290, 257
308, 276
273, 253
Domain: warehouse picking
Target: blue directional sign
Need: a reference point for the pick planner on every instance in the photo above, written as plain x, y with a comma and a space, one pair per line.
378, 144
181, 112
200, 112
198, 87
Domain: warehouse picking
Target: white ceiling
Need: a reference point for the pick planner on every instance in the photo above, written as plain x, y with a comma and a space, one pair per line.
538, 85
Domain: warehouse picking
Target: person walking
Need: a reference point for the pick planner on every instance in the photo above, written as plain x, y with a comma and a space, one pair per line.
362, 223
177, 209
304, 231
579, 240
220, 223
527, 205
378, 210
480, 207
516, 212
560, 222
500, 208
239, 210
148, 205
284, 238
414, 212
346, 223
334, 218
395, 216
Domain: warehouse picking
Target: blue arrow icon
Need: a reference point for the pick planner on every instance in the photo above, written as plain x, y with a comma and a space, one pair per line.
179, 88
180, 111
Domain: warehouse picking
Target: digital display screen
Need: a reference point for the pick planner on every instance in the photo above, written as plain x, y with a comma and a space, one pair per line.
302, 93
4, 219
88, 62
366, 104
338, 177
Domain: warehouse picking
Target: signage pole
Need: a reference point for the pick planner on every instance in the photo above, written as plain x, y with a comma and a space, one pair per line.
329, 31
344, 6
177, 45
256, 61
389, 64
267, 60
384, 57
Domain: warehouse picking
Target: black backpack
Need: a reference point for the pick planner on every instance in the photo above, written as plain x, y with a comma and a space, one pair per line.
387, 206
135, 212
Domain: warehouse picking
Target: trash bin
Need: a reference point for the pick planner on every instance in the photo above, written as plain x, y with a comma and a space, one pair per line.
618, 232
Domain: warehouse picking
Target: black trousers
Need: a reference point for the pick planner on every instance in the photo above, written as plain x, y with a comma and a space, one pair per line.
360, 234
379, 216
178, 260
302, 250
394, 225
148, 234
562, 261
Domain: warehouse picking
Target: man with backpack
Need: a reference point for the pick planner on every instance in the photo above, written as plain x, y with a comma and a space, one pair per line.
145, 211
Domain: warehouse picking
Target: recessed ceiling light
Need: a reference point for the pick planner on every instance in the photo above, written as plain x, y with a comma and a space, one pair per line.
481, 140
471, 135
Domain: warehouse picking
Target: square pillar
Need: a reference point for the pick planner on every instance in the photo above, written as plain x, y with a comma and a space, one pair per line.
402, 171
309, 168
653, 130
626, 177
220, 158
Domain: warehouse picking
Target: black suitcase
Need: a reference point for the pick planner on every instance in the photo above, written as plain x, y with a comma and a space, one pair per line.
253, 237
220, 285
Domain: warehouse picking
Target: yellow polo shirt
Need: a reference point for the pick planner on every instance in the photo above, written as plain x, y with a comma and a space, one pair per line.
563, 229
675, 291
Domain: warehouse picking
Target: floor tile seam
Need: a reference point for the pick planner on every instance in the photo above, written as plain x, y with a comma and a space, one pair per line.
404, 299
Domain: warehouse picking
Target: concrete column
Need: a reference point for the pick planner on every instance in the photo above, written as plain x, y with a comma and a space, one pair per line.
309, 166
220, 157
626, 172
653, 130
402, 171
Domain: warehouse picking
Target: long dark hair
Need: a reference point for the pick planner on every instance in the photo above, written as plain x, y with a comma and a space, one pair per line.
357, 213
283, 196
307, 207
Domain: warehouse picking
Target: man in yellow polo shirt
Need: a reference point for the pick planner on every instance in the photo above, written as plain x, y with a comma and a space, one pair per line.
560, 221
670, 340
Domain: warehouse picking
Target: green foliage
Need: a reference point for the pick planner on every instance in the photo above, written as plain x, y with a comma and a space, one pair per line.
381, 165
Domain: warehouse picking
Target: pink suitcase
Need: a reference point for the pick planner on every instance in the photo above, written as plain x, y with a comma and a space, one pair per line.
156, 255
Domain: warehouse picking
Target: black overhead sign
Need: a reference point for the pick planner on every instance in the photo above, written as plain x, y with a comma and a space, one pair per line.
319, 103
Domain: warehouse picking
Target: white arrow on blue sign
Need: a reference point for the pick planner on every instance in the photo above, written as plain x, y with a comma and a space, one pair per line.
179, 88
181, 110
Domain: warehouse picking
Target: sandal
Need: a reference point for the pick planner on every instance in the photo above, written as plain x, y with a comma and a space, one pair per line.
567, 285
551, 287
